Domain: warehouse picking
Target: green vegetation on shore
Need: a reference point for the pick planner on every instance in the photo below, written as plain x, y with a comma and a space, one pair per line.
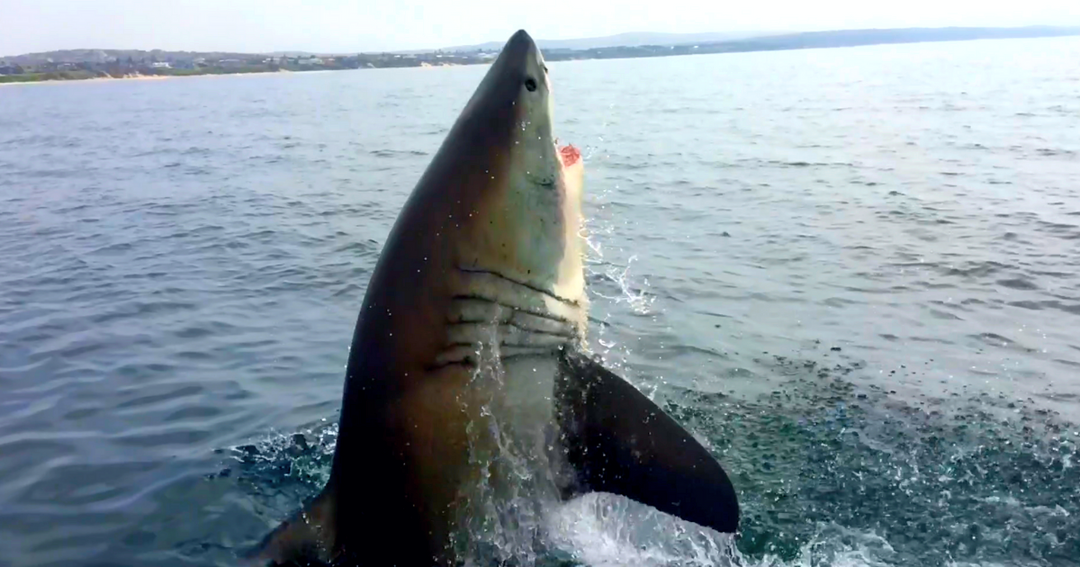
49, 76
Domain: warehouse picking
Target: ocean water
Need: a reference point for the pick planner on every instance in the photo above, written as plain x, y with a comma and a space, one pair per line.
853, 273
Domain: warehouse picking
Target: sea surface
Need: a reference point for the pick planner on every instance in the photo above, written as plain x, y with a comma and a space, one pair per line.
853, 273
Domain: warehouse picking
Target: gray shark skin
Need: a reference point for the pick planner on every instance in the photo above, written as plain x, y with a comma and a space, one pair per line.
466, 385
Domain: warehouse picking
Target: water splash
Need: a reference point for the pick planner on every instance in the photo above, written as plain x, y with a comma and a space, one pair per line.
602, 529
634, 296
612, 286
278, 460
607, 530
628, 290
501, 512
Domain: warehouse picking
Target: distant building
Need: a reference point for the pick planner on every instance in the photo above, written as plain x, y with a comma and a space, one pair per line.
161, 65
231, 63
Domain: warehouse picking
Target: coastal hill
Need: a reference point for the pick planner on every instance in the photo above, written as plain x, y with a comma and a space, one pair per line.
630, 39
117, 63
816, 40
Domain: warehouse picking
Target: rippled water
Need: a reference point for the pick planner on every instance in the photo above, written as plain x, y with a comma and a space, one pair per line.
855, 273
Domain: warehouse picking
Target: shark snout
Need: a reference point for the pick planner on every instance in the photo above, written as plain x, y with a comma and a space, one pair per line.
521, 40
523, 50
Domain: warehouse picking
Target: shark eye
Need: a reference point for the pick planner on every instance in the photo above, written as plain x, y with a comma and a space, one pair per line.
530, 84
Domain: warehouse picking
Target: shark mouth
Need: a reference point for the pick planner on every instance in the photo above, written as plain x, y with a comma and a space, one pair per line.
569, 155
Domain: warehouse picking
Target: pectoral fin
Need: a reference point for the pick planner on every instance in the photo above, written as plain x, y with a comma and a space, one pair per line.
617, 440
307, 538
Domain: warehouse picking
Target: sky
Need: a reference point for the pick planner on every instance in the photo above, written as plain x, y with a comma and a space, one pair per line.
340, 26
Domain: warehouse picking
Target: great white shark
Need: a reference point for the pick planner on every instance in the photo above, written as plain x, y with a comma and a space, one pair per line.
469, 400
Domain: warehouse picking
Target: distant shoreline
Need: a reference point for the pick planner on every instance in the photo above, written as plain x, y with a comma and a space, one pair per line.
139, 77
89, 80
210, 73
254, 64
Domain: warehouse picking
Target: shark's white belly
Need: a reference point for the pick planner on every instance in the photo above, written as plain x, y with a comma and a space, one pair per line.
508, 335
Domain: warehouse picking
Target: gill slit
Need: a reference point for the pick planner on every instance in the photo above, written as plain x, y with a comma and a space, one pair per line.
552, 295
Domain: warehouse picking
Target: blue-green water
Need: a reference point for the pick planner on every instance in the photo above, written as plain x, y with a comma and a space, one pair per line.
854, 273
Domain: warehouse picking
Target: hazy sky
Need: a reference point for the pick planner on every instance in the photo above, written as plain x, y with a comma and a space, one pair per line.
370, 25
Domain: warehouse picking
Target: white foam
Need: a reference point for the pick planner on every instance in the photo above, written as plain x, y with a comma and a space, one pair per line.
602, 529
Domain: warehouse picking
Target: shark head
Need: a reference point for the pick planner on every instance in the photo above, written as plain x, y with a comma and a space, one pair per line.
497, 215
529, 224
522, 198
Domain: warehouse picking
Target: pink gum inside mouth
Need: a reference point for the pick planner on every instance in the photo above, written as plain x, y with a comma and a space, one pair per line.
569, 155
